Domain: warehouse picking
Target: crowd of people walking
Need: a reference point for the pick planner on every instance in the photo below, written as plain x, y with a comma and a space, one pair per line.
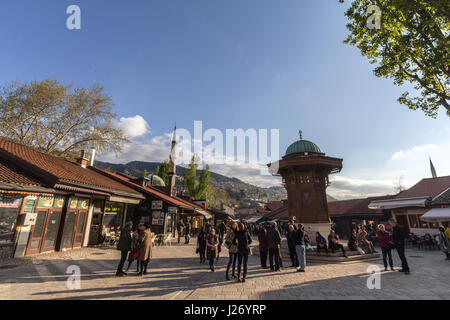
237, 238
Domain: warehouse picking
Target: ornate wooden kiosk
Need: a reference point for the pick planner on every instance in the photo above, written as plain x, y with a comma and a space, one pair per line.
305, 170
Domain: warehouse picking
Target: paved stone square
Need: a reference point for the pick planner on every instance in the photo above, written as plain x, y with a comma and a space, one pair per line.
175, 273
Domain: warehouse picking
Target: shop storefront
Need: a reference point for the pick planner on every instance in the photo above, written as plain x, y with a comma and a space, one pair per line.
47, 211
9, 210
195, 221
58, 201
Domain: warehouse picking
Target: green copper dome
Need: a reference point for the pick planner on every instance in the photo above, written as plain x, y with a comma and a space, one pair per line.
155, 180
302, 146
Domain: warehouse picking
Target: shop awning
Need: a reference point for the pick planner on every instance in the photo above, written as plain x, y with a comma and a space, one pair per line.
436, 215
205, 213
398, 203
124, 200
254, 219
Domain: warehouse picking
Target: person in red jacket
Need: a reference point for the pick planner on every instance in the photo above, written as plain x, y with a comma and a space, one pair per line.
385, 240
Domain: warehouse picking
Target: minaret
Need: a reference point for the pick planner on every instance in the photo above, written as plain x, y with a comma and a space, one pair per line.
433, 170
173, 163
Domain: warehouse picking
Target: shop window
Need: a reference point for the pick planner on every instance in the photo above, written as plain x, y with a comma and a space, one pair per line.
413, 221
423, 224
433, 225
68, 228
81, 221
98, 206
112, 220
9, 210
169, 223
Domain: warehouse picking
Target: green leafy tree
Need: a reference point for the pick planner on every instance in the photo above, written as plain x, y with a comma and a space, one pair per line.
196, 188
162, 171
411, 45
59, 119
203, 182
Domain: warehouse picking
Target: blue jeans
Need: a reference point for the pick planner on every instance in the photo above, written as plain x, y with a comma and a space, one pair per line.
300, 249
387, 252
242, 260
232, 261
212, 258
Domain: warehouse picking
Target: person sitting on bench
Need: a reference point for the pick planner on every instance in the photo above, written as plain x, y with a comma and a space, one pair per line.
352, 241
363, 243
334, 243
321, 243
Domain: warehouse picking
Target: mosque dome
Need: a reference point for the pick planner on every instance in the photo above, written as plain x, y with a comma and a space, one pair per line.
302, 146
155, 180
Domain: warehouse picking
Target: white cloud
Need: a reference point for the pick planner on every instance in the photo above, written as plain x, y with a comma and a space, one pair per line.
133, 126
346, 188
412, 164
414, 150
151, 149
398, 155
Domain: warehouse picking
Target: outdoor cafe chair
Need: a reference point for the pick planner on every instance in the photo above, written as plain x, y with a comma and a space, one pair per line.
168, 240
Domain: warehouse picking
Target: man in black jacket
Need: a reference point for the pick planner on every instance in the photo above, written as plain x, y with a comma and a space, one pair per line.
290, 236
124, 246
398, 239
180, 227
274, 242
222, 230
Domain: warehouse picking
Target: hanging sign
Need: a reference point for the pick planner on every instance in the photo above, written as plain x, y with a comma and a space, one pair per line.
157, 204
73, 203
83, 204
30, 219
10, 202
172, 209
158, 218
30, 202
45, 202
59, 202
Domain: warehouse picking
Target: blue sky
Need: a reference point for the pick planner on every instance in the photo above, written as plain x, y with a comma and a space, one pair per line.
231, 64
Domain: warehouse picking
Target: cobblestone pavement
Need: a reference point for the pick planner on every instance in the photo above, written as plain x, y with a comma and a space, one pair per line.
175, 273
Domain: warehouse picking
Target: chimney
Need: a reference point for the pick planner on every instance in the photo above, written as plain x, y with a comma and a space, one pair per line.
91, 162
83, 160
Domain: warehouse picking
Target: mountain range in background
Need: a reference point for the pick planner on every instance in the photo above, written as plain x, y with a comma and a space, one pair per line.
227, 190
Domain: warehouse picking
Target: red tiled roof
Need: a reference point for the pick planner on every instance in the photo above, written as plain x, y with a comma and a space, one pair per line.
343, 206
280, 213
261, 210
127, 180
430, 187
53, 169
354, 206
9, 173
274, 205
